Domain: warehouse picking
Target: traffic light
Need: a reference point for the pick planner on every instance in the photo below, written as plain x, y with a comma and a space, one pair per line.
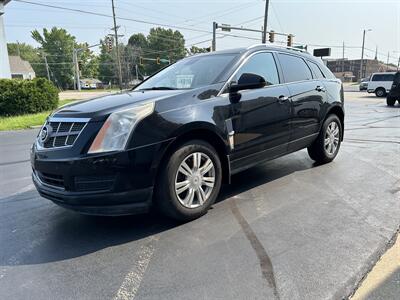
80, 64
158, 60
290, 40
271, 37
109, 43
141, 61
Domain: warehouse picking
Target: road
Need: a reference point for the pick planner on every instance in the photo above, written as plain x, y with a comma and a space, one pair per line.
285, 229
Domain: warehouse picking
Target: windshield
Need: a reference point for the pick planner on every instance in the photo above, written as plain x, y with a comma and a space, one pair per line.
189, 73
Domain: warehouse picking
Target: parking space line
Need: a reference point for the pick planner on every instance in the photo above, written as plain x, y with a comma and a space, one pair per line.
133, 279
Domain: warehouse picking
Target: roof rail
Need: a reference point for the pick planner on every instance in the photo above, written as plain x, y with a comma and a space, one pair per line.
278, 46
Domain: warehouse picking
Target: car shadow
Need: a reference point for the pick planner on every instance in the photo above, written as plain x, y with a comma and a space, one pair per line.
61, 234
265, 173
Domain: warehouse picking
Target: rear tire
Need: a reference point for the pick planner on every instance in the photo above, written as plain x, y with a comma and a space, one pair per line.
189, 182
380, 92
325, 148
390, 101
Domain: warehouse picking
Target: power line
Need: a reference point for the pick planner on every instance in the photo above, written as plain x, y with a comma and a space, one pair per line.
109, 16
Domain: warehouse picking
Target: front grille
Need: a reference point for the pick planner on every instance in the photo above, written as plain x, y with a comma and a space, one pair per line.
94, 183
60, 132
51, 179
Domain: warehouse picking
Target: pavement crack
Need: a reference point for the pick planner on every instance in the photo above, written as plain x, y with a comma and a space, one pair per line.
381, 120
14, 162
371, 141
267, 269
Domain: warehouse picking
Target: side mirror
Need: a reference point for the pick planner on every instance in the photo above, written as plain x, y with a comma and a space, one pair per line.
247, 81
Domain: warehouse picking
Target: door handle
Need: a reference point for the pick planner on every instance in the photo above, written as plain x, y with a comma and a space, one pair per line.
283, 98
320, 88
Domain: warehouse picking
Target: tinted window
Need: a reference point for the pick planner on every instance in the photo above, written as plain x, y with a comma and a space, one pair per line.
383, 77
327, 73
396, 79
294, 68
262, 64
192, 72
388, 77
316, 70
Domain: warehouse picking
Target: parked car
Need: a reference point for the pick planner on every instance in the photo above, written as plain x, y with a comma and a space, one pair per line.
394, 93
364, 84
172, 141
380, 83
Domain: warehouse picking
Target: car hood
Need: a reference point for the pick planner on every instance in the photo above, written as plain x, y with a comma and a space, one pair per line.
99, 108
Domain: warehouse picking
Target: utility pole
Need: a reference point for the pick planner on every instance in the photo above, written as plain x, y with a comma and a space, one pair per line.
343, 58
362, 56
214, 42
77, 75
264, 35
387, 62
398, 63
376, 53
137, 75
47, 66
117, 47
18, 50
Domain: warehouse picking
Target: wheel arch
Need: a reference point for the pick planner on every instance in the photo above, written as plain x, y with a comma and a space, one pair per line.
338, 111
204, 132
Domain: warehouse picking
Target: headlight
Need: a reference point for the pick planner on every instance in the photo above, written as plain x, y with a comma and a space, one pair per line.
115, 132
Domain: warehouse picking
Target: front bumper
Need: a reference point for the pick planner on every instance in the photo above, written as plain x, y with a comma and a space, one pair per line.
118, 183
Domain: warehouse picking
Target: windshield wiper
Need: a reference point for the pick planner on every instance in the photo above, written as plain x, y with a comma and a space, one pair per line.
158, 88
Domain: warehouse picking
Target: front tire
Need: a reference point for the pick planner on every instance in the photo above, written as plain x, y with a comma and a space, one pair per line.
325, 148
189, 182
390, 101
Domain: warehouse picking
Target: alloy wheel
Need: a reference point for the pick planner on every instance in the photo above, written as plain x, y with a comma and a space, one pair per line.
332, 135
195, 180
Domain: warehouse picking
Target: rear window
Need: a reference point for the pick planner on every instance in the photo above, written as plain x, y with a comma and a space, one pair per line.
397, 78
316, 70
388, 77
294, 68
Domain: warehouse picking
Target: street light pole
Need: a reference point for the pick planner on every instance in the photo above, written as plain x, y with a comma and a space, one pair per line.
264, 35
214, 37
47, 66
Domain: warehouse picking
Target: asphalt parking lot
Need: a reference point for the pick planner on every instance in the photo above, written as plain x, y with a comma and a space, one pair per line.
286, 229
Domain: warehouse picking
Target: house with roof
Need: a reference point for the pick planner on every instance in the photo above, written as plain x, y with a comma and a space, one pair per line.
20, 69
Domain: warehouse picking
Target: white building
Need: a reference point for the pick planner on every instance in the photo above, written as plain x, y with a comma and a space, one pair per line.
21, 69
4, 63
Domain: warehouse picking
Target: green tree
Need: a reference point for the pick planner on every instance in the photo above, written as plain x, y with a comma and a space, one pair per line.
106, 60
165, 44
57, 44
89, 62
30, 54
195, 50
138, 41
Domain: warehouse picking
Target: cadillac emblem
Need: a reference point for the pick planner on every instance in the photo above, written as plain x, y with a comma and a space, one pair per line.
45, 133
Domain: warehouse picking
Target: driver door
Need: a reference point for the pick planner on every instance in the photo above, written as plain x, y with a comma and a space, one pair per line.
261, 119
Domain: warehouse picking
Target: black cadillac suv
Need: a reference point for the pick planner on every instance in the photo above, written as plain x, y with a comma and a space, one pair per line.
173, 140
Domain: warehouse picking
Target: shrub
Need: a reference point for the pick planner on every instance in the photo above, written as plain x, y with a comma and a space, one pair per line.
18, 97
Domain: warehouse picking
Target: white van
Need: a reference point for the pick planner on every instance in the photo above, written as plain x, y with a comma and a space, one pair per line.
380, 83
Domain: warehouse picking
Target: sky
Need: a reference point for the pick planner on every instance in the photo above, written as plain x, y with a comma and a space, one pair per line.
317, 23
